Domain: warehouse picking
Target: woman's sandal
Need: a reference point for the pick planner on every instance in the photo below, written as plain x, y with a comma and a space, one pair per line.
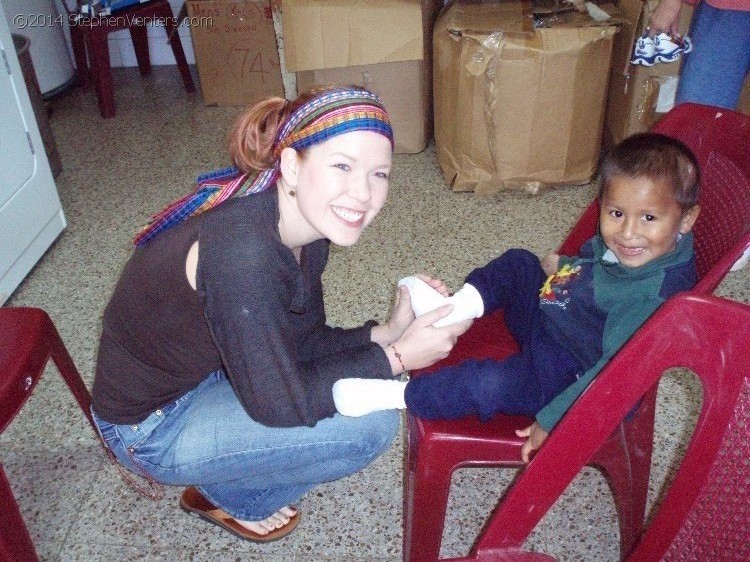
194, 503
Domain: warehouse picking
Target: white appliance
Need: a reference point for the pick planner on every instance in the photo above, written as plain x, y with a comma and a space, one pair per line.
31, 217
44, 25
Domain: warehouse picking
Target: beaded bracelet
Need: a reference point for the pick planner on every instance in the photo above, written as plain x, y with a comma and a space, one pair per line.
398, 356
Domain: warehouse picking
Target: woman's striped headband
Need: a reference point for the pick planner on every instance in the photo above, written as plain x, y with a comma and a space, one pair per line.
334, 112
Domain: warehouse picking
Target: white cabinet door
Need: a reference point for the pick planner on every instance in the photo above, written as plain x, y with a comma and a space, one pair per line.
31, 217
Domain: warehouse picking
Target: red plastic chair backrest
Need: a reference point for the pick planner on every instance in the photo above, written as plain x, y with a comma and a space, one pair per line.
720, 140
705, 510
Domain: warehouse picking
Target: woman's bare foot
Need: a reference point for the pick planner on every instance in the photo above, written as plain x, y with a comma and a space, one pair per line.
272, 528
275, 521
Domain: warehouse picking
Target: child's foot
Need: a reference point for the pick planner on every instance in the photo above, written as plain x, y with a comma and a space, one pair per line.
668, 48
359, 397
467, 303
423, 297
644, 51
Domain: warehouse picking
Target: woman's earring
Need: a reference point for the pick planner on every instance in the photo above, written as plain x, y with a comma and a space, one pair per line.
292, 192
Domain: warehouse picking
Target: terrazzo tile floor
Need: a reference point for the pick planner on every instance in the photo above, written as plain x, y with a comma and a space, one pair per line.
117, 172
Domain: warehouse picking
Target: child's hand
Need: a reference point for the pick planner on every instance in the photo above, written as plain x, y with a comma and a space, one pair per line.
550, 264
535, 437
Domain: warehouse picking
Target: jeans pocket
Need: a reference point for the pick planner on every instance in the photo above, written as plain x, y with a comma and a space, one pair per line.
136, 437
107, 431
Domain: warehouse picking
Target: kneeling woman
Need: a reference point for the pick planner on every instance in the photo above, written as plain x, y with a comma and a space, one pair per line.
215, 364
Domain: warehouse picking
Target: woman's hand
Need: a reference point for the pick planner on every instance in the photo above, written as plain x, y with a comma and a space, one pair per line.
535, 437
435, 283
402, 314
665, 18
422, 344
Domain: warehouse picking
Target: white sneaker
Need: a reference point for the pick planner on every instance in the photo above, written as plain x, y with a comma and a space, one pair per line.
668, 48
644, 51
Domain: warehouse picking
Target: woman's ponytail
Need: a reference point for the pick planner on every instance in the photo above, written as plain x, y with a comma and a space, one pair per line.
251, 141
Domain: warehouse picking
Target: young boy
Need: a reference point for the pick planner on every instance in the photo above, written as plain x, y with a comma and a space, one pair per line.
569, 315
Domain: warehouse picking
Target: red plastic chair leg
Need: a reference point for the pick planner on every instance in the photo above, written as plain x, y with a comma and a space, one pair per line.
78, 43
628, 469
629, 494
179, 53
139, 36
102, 74
425, 504
69, 373
15, 541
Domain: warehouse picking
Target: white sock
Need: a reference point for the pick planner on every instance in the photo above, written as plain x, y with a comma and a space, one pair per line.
423, 297
359, 397
467, 303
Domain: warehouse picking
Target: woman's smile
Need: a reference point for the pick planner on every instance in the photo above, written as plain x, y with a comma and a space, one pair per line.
350, 217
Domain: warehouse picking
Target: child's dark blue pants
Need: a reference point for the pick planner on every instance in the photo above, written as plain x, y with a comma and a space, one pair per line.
520, 384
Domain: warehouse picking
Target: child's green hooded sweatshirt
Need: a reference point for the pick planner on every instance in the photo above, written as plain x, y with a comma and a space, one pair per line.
594, 304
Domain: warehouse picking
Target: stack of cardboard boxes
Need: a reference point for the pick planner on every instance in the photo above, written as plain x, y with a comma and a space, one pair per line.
382, 45
235, 50
521, 100
639, 95
518, 106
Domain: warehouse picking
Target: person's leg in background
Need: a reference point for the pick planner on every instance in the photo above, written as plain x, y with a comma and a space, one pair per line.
713, 73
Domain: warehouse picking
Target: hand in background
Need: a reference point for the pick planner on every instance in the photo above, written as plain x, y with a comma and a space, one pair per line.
665, 18
435, 283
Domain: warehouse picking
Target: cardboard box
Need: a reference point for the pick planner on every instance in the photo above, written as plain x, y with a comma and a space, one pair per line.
639, 95
384, 46
235, 51
517, 107
337, 33
401, 86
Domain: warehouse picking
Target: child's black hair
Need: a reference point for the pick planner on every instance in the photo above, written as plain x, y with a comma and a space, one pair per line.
658, 158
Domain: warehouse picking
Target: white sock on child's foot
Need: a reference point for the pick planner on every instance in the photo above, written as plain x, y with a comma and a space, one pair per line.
423, 297
467, 303
359, 397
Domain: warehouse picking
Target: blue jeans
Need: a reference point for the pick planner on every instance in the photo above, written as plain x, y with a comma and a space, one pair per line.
714, 72
206, 439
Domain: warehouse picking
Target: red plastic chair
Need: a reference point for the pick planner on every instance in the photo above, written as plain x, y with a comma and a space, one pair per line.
721, 141
705, 514
28, 339
88, 35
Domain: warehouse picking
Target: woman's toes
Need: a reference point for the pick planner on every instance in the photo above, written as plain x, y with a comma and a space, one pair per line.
289, 511
275, 521
255, 526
